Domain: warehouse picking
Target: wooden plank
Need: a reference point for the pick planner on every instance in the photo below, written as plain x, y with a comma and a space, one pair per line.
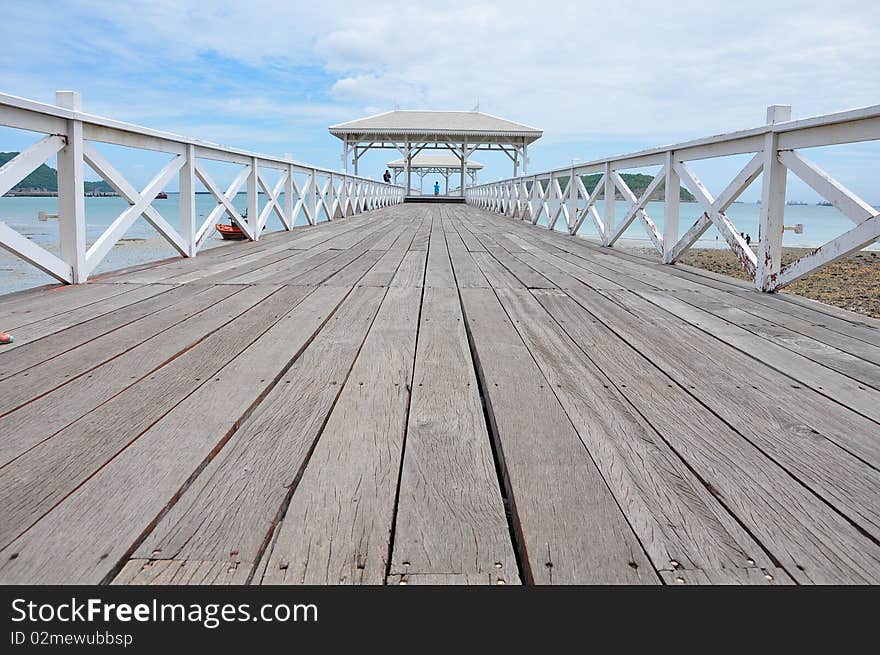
750, 576
45, 474
222, 258
554, 487
21, 388
528, 276
180, 572
776, 313
391, 237
450, 516
412, 270
352, 274
257, 267
678, 520
328, 269
470, 579
577, 267
42, 418
55, 324
297, 263
84, 538
31, 354
423, 235
830, 310
854, 367
840, 388
784, 450
228, 513
41, 304
498, 276
851, 324
472, 243
467, 273
386, 268
439, 270
337, 529
767, 307
261, 266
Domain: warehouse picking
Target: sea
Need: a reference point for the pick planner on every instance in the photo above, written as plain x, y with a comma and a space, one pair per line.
142, 244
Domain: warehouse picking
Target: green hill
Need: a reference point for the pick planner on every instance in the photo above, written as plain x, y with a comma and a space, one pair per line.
637, 182
45, 177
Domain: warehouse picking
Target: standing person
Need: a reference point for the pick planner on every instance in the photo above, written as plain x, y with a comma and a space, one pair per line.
387, 176
436, 187
748, 239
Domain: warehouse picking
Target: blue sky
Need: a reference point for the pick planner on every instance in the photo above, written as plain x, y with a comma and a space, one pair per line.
599, 79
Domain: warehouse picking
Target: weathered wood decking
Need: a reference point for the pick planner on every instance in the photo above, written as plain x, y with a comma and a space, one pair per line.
435, 394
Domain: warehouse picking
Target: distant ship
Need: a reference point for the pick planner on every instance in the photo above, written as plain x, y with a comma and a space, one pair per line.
161, 196
824, 203
796, 203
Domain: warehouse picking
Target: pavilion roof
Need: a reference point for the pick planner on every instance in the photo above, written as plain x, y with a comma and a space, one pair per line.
435, 125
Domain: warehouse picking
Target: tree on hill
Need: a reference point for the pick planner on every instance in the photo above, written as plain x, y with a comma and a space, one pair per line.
637, 182
46, 177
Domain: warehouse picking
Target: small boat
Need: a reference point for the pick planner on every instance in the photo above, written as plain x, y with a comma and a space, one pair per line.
231, 232
161, 196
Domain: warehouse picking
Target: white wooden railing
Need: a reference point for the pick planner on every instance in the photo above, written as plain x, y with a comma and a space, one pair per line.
69, 133
775, 145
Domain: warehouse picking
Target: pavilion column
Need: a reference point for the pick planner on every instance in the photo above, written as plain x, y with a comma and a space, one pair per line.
355, 160
345, 155
446, 177
525, 159
515, 161
463, 167
408, 167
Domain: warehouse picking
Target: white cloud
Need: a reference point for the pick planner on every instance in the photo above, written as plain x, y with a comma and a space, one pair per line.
588, 73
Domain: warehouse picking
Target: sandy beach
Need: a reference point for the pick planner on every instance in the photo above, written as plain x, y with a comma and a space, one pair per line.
851, 283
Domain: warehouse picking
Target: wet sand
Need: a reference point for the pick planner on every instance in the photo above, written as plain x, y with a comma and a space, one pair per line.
851, 283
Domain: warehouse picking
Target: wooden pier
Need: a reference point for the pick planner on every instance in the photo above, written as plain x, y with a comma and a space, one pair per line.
435, 394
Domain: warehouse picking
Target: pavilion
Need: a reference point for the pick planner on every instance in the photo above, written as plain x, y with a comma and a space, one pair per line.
411, 132
445, 165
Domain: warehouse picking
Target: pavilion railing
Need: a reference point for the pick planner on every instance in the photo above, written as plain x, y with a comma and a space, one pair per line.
775, 149
302, 191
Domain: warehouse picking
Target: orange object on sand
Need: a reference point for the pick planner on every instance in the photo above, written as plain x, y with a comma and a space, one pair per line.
231, 232
5, 338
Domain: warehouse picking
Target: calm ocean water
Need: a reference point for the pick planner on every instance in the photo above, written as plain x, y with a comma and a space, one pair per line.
142, 244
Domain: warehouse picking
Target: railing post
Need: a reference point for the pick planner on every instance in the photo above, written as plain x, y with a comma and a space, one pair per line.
253, 205
331, 191
773, 179
672, 200
314, 195
288, 196
71, 192
343, 197
609, 204
572, 201
187, 200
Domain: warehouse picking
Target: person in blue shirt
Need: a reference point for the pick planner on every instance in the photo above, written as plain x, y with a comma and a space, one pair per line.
437, 188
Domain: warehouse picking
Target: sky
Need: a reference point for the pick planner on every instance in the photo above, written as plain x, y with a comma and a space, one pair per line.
599, 78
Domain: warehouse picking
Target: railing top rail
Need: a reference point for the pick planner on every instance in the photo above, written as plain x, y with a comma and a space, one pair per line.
100, 121
826, 120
